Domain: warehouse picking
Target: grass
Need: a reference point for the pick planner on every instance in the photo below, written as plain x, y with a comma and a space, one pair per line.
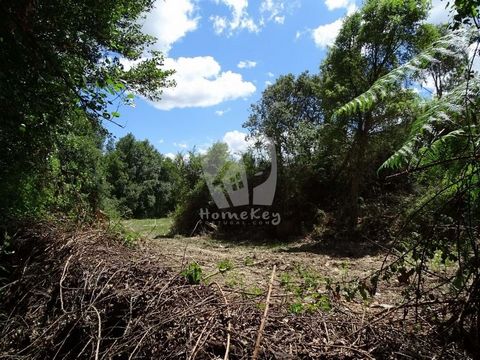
149, 227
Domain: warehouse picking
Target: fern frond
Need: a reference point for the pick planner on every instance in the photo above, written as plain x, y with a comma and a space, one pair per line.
453, 45
427, 130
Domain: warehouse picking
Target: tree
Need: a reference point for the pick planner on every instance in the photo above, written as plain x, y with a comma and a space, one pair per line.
140, 179
371, 42
63, 57
444, 150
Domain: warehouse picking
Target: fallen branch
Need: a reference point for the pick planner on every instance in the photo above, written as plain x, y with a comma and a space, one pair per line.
264, 317
229, 326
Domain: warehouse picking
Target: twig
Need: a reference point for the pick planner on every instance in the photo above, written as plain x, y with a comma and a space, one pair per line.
229, 326
99, 332
61, 282
138, 344
194, 350
264, 317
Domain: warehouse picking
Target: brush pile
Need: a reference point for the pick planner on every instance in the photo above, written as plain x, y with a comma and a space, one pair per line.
81, 293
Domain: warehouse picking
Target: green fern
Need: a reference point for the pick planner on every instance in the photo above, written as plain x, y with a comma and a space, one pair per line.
453, 45
427, 135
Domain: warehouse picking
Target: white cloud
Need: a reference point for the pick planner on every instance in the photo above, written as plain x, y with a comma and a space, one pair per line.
170, 155
201, 83
272, 10
180, 145
438, 13
161, 141
236, 141
268, 83
337, 4
270, 74
219, 24
246, 64
239, 20
325, 35
169, 21
222, 112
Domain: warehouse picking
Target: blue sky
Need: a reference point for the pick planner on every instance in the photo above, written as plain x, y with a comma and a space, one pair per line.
225, 53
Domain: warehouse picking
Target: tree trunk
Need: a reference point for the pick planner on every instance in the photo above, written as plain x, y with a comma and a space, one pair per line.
356, 174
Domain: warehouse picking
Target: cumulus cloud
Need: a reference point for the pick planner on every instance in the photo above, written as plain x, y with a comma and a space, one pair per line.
325, 35
337, 4
170, 155
246, 64
236, 141
202, 83
272, 10
240, 19
169, 21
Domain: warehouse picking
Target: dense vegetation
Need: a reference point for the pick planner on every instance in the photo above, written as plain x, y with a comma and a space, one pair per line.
363, 153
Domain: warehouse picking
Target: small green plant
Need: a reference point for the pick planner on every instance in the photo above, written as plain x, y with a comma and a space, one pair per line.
296, 308
324, 303
248, 261
224, 266
193, 273
235, 280
345, 267
129, 237
286, 280
254, 291
310, 279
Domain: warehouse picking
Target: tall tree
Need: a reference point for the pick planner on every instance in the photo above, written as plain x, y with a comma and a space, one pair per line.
371, 42
140, 179
58, 57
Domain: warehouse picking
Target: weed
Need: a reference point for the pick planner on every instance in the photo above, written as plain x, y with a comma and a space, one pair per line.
193, 273
248, 261
224, 266
286, 280
296, 308
254, 292
235, 280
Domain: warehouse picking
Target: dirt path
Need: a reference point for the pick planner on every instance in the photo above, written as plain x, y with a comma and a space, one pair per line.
297, 265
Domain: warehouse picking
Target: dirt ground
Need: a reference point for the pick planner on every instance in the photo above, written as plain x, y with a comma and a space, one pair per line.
81, 293
252, 265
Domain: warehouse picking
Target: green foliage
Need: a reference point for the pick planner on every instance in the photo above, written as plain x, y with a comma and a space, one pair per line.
443, 150
248, 261
224, 266
64, 74
141, 180
296, 308
193, 273
453, 45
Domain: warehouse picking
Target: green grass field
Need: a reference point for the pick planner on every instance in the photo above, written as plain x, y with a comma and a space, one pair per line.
149, 227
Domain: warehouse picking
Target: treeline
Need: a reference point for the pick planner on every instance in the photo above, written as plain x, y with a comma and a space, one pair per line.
329, 183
